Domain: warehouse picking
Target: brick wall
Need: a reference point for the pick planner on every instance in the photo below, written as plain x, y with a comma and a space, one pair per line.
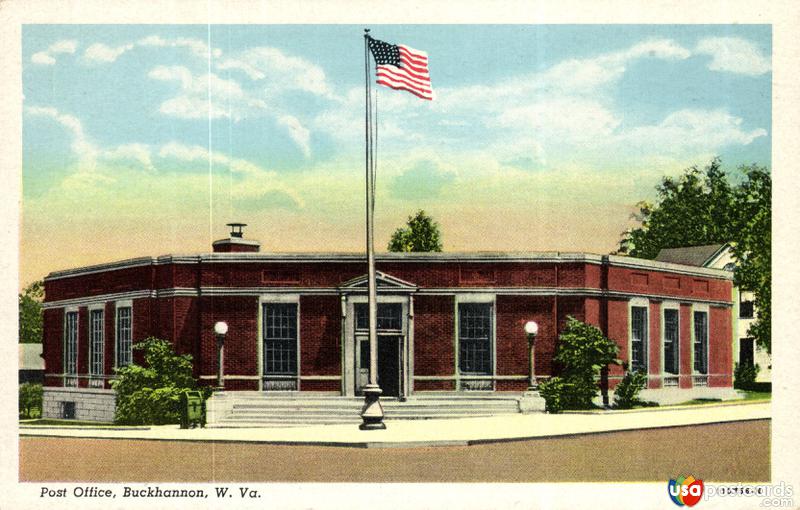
654, 351
434, 330
720, 348
320, 337
685, 354
241, 348
512, 342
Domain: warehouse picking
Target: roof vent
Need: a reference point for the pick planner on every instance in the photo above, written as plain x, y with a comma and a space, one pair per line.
236, 229
236, 241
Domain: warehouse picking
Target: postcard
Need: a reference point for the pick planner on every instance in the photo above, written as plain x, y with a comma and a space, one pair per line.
512, 254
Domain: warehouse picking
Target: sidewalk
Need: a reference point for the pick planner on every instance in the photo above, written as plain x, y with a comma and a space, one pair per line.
423, 433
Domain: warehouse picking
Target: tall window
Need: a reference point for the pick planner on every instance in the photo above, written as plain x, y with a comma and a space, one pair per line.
701, 342
639, 338
71, 348
96, 342
280, 338
475, 338
671, 341
124, 336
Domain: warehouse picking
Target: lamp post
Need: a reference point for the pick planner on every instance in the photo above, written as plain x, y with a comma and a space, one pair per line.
531, 328
220, 330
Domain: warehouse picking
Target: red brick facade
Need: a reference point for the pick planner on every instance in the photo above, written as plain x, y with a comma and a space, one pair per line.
180, 299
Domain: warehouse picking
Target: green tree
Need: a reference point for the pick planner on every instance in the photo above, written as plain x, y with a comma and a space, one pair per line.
581, 353
421, 233
30, 313
150, 394
702, 207
694, 209
753, 247
30, 400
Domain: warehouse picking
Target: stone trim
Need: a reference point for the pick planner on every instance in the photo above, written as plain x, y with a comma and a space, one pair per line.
91, 404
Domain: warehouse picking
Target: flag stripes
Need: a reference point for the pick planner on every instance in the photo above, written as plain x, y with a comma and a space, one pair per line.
402, 68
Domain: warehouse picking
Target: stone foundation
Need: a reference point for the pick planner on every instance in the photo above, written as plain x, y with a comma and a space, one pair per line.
89, 404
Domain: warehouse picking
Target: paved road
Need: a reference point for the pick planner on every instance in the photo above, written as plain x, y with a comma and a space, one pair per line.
732, 452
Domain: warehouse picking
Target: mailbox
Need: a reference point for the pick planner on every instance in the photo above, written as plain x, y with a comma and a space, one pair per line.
193, 409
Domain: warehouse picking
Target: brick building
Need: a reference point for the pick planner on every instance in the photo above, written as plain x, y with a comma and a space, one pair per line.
448, 322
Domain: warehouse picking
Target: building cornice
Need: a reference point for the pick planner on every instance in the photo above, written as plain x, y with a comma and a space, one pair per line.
433, 291
440, 257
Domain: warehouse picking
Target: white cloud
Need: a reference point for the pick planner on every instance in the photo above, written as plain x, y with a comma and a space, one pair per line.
81, 146
259, 180
279, 70
205, 96
196, 153
133, 151
101, 53
297, 132
86, 150
734, 55
196, 46
47, 57
690, 130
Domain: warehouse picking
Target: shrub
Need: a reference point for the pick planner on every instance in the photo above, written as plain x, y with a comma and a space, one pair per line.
626, 394
744, 376
30, 400
150, 394
582, 351
553, 392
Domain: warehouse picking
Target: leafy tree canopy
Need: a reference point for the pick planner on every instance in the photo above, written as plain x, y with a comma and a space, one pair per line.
30, 313
421, 233
702, 207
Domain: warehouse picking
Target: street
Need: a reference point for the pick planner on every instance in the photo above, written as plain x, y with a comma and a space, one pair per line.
723, 452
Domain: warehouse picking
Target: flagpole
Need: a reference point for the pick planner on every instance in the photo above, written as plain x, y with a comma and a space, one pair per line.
372, 412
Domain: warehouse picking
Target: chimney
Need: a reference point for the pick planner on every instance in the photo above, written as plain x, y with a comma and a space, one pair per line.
236, 241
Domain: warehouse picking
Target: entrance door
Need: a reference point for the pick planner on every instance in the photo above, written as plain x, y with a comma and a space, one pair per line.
389, 356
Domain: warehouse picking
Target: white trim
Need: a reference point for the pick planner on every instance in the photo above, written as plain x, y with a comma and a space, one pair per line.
704, 308
279, 299
102, 310
639, 303
433, 291
473, 298
100, 298
127, 303
670, 305
67, 374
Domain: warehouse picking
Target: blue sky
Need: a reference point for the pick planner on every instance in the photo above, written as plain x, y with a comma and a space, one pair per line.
540, 137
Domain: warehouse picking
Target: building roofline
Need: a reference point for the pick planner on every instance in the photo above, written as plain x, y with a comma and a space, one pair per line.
431, 257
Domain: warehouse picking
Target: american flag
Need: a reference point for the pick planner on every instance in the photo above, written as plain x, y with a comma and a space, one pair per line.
402, 68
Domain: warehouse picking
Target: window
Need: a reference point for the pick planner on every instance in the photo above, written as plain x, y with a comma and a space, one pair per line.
701, 342
671, 341
96, 339
71, 349
746, 309
475, 338
280, 338
746, 352
390, 316
639, 338
124, 336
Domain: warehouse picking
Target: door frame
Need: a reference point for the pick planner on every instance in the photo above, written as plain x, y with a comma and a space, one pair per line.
351, 349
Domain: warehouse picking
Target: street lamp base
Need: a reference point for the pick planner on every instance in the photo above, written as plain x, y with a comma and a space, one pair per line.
531, 402
372, 412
